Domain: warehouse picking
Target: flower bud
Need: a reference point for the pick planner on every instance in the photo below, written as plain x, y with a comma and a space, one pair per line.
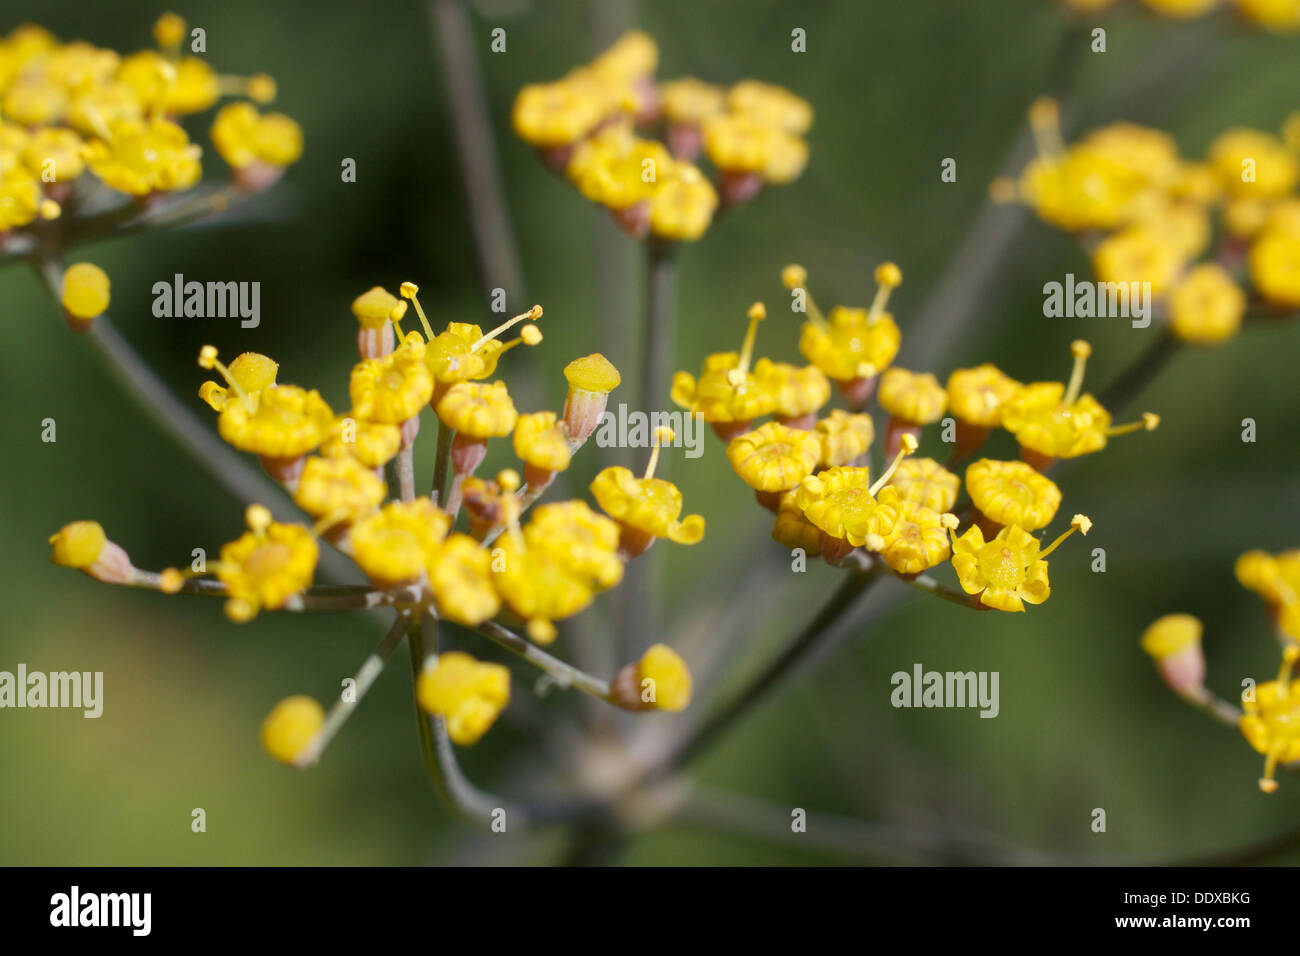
1174, 643
84, 546
591, 379
291, 726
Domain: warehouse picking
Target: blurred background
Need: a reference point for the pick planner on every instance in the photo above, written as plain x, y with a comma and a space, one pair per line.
1084, 722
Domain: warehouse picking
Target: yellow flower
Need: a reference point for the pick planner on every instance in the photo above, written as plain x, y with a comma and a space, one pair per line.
145, 156
1081, 189
35, 100
648, 507
396, 544
468, 694
556, 114
1012, 493
927, 483
56, 151
373, 444
585, 542
1274, 577
1271, 722
462, 352
538, 586
338, 489
682, 208
621, 178
1279, 15
690, 100
852, 343
478, 411
792, 529
663, 681
976, 395
1138, 254
727, 392
541, 443
1009, 570
918, 540
915, 398
188, 85
291, 726
774, 457
1207, 306
844, 437
461, 579
95, 111
739, 143
772, 105
250, 373
799, 392
20, 198
288, 421
845, 505
1181, 9
1052, 420
1149, 154
394, 388
1250, 162
243, 136
266, 566
1275, 268
85, 291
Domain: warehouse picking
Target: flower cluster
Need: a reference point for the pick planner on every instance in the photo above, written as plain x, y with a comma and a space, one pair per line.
83, 125
1282, 16
1270, 715
585, 127
535, 572
1147, 215
811, 466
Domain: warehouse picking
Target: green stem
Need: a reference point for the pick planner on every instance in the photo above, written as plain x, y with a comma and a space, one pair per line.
566, 675
781, 667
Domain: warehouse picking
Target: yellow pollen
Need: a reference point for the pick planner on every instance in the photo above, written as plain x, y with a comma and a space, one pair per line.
1150, 421
208, 360
258, 518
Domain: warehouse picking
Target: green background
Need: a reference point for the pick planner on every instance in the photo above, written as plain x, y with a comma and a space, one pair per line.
897, 87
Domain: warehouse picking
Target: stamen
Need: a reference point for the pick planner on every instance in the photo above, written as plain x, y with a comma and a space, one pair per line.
888, 278
508, 480
528, 335
1080, 523
1266, 782
208, 360
259, 88
1045, 120
757, 313
96, 119
1080, 350
1150, 421
409, 290
663, 434
396, 315
1289, 655
908, 443
328, 521
258, 518
796, 277
534, 313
